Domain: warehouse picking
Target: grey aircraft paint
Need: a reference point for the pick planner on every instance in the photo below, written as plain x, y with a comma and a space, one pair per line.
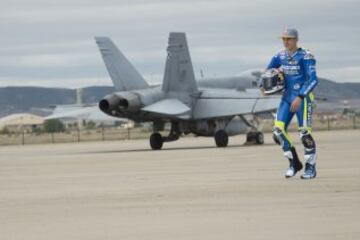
207, 111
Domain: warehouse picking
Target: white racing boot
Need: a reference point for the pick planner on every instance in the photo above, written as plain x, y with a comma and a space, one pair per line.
310, 167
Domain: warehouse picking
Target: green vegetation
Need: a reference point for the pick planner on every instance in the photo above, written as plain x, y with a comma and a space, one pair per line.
5, 130
53, 126
89, 125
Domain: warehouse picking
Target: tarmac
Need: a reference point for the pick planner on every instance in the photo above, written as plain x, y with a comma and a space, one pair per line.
188, 190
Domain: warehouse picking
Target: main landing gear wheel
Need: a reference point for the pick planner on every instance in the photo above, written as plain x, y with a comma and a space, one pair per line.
156, 141
221, 138
255, 138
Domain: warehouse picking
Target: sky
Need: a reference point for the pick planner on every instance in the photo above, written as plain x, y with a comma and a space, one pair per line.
51, 43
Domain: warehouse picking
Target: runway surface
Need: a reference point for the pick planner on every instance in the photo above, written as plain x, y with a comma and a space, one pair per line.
188, 190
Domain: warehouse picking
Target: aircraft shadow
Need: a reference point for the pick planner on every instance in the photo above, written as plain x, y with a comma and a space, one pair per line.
173, 149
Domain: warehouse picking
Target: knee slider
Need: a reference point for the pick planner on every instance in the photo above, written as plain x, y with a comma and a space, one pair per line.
307, 139
276, 139
277, 131
276, 135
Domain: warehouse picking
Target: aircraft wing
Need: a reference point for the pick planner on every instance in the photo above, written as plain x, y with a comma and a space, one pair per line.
222, 103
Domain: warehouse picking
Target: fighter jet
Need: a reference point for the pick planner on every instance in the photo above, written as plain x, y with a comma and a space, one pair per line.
209, 112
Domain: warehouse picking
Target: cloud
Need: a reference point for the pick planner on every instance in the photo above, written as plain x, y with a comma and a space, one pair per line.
58, 60
344, 74
46, 39
55, 82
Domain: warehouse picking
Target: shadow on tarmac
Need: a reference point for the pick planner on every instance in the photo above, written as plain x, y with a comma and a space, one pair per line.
172, 149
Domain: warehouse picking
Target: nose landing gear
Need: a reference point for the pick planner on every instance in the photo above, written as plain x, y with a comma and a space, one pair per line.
254, 137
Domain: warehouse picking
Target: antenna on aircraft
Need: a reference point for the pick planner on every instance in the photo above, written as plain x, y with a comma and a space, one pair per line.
201, 73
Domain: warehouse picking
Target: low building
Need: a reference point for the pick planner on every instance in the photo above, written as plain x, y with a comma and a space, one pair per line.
20, 122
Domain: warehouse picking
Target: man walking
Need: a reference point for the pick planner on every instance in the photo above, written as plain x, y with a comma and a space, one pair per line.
298, 68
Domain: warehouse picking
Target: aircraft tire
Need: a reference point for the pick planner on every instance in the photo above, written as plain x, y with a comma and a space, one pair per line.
156, 141
221, 138
254, 138
259, 138
250, 137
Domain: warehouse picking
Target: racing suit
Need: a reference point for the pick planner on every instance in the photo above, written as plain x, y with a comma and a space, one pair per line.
300, 80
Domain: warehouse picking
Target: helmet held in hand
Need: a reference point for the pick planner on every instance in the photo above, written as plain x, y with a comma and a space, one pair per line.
272, 81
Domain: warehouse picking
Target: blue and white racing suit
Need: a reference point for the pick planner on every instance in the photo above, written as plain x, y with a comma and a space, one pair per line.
300, 80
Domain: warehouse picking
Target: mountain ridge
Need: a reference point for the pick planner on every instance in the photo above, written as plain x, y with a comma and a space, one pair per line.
24, 99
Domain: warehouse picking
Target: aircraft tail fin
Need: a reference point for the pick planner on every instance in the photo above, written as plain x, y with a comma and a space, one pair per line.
123, 74
179, 72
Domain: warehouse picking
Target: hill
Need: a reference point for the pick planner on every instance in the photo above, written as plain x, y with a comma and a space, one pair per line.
24, 99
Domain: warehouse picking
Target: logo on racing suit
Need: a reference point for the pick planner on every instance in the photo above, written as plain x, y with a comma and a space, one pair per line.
296, 86
291, 70
293, 62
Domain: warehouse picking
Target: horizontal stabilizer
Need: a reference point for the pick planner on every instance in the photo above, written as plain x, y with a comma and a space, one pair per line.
76, 113
90, 113
168, 107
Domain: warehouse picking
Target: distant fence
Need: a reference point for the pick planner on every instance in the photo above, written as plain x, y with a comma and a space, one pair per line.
106, 134
99, 134
323, 123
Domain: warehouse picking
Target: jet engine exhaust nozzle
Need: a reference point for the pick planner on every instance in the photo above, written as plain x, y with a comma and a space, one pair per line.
121, 102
